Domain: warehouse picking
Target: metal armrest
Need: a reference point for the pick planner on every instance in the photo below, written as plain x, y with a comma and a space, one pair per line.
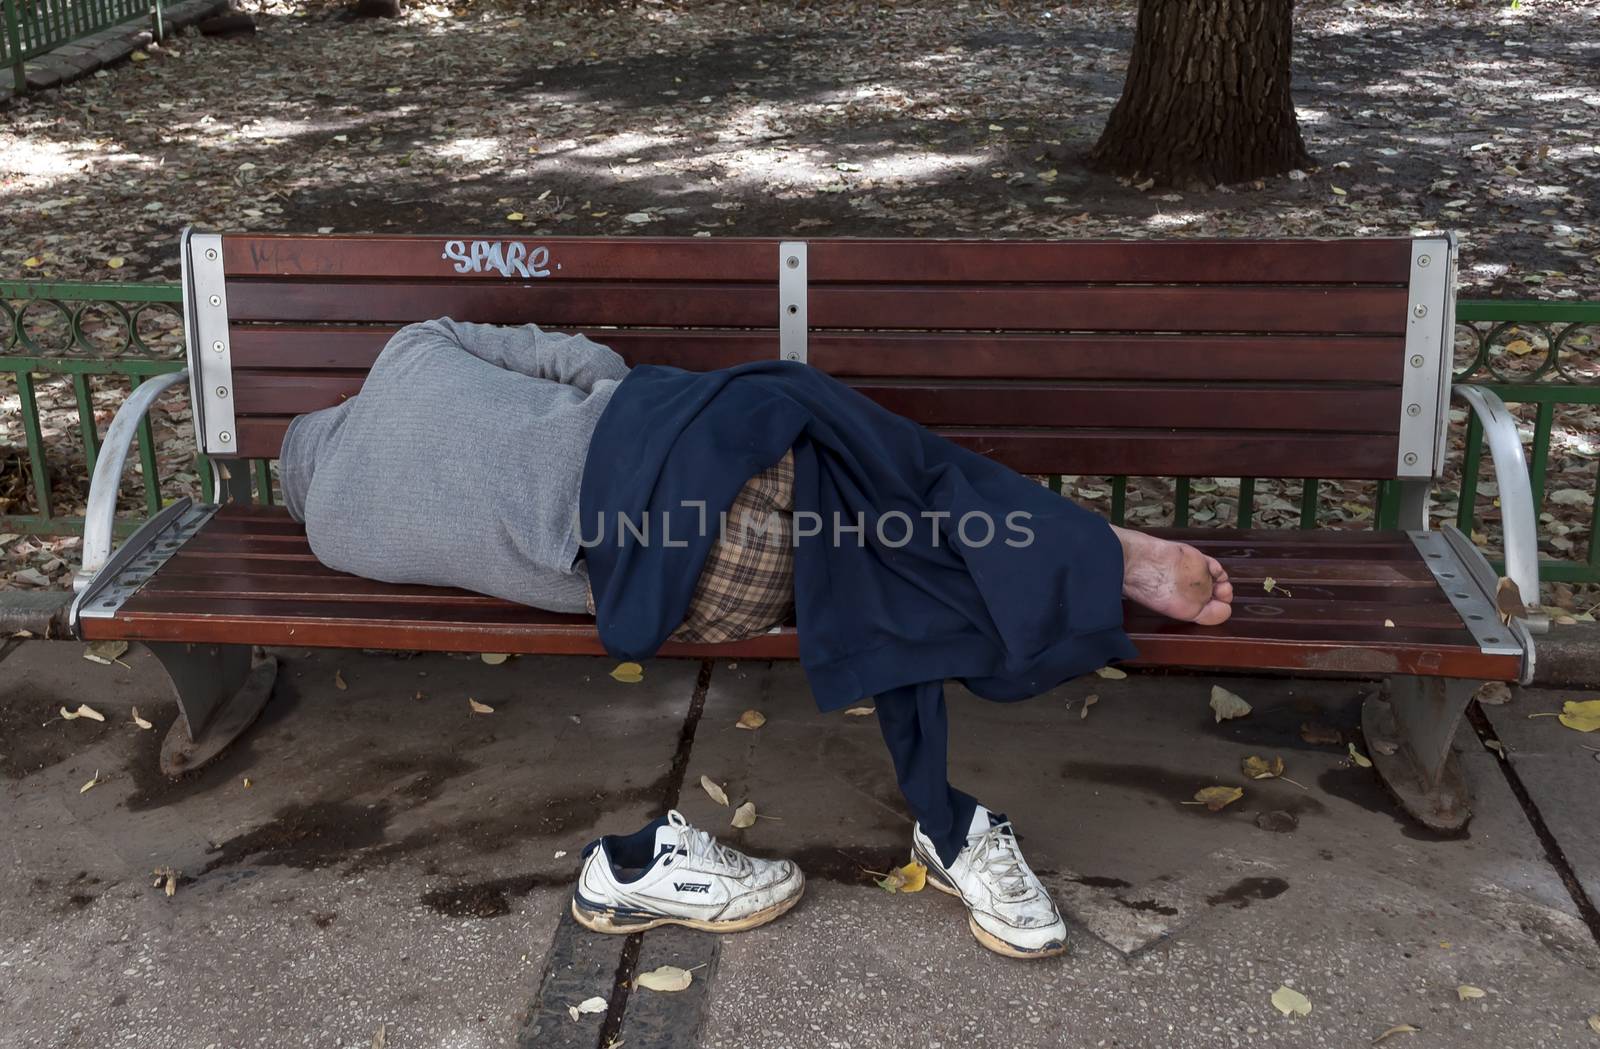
1518, 521
97, 518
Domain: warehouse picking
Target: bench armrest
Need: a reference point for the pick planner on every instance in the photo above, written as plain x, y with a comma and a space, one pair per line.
97, 518
1518, 521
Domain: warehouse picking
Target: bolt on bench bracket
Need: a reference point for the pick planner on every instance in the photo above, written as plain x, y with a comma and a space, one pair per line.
205, 306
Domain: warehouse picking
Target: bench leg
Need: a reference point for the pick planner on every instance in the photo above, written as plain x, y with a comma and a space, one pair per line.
1410, 725
221, 690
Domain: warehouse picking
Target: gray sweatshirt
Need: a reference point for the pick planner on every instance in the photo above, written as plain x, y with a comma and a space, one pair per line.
458, 463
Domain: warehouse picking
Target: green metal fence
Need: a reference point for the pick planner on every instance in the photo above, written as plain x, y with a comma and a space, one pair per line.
1543, 358
36, 27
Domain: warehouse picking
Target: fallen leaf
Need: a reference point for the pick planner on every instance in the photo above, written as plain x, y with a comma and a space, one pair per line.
1496, 746
745, 815
913, 877
247, 783
92, 783
628, 673
1088, 701
596, 1004
665, 978
338, 680
1111, 673
1291, 1002
1388, 622
494, 659
718, 795
515, 216
104, 652
1227, 704
33, 262
1270, 585
751, 719
1216, 798
859, 712
141, 722
1396, 1029
116, 262
138, 56
166, 879
1584, 717
1466, 992
1359, 758
380, 1038
1262, 768
479, 708
84, 711
1493, 693
1594, 1023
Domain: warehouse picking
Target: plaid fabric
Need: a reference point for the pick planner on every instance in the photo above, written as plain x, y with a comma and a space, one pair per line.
747, 585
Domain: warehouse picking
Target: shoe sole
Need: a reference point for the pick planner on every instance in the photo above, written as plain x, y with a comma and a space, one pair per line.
609, 921
979, 933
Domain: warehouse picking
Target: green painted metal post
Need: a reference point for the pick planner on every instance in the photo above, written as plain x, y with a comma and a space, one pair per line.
1310, 492
158, 28
1472, 458
1180, 503
147, 461
1539, 461
91, 436
35, 439
1119, 500
19, 73
1247, 501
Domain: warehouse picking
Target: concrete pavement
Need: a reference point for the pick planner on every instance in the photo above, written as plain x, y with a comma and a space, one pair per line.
396, 869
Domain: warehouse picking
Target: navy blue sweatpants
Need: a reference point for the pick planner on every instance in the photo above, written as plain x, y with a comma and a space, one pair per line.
916, 728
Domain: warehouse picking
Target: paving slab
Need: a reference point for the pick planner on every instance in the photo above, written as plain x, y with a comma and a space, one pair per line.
368, 854
1374, 919
1560, 767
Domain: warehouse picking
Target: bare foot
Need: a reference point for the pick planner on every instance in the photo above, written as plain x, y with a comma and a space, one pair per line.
1174, 579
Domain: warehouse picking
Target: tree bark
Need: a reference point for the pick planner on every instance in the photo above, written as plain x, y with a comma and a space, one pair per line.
1207, 95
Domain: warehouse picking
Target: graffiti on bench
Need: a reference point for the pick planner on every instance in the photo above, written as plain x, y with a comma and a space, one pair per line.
509, 258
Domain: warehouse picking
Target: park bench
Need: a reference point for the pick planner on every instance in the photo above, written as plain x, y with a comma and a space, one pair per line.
1285, 359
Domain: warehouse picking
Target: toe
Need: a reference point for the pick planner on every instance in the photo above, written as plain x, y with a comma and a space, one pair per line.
1215, 613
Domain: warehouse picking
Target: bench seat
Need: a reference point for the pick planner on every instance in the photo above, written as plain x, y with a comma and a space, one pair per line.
248, 576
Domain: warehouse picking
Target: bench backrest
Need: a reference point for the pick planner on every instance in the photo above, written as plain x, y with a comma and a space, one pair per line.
1177, 358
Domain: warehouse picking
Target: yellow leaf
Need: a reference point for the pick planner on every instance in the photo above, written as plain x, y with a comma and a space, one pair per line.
710, 786
1291, 1002
665, 978
1088, 701
1218, 798
1337, 191
494, 659
515, 216
94, 782
1262, 768
104, 652
139, 56
338, 680
1519, 347
1584, 717
913, 877
1466, 992
628, 673
745, 815
116, 262
479, 708
859, 712
751, 719
1359, 758
1396, 1029
1270, 585
141, 722
1111, 673
247, 783
1227, 704
392, 90
33, 262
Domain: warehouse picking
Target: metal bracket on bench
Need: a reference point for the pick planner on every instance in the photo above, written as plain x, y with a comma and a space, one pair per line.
1430, 343
205, 309
137, 560
1469, 583
792, 296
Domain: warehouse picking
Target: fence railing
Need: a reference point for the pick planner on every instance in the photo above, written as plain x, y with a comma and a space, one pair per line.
36, 27
87, 344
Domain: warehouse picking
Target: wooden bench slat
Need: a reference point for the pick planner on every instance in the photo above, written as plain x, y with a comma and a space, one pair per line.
1365, 261
931, 355
1333, 309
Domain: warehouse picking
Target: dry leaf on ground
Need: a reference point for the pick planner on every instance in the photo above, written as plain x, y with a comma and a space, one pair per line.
84, 711
104, 652
628, 673
166, 880
1584, 717
751, 719
1396, 1029
1594, 1023
141, 722
1262, 768
92, 783
1227, 704
494, 659
479, 708
1289, 1001
1088, 701
745, 815
338, 680
718, 795
1493, 693
1111, 673
380, 1037
665, 978
913, 877
1466, 992
1359, 758
859, 712
1216, 798
588, 1006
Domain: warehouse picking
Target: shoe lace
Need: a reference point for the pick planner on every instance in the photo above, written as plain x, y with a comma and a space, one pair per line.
702, 848
995, 853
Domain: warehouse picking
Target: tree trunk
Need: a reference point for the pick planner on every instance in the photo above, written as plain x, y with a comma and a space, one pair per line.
1207, 95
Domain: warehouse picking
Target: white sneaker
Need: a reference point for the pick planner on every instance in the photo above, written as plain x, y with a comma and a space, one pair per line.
669, 873
1008, 910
